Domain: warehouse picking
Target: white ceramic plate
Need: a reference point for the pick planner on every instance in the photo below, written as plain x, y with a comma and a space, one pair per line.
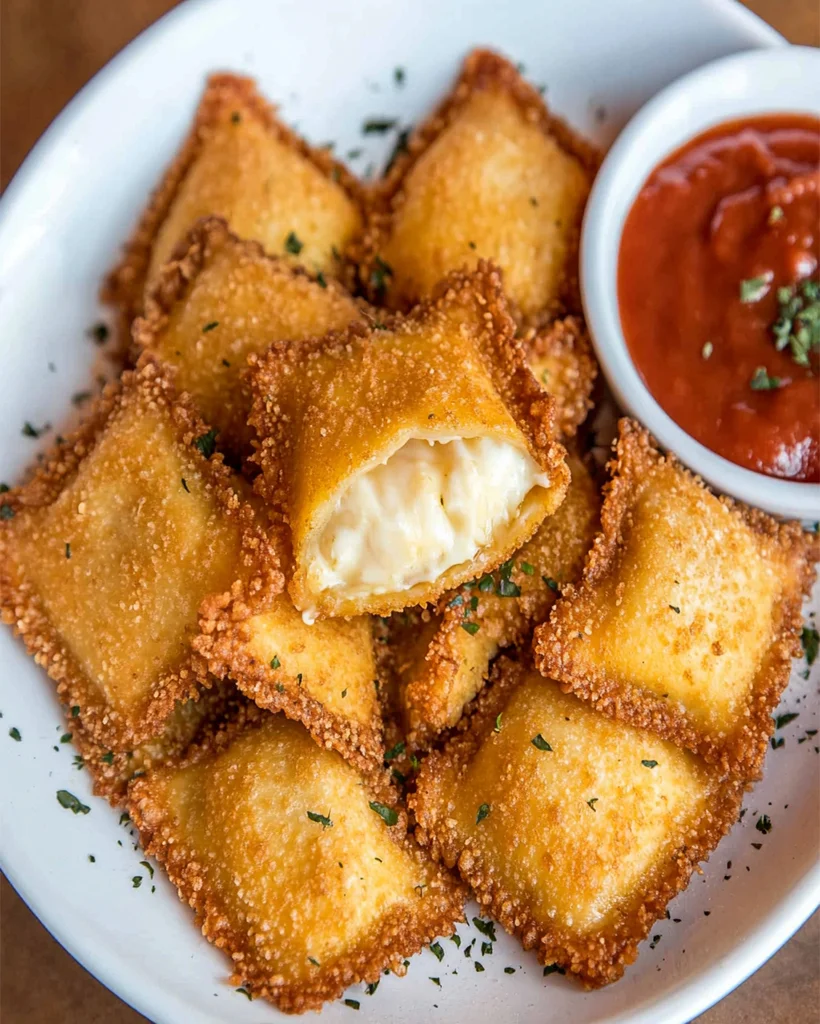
61, 223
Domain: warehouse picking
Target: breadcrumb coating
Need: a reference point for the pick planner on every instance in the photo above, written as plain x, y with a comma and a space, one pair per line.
112, 546
217, 300
302, 872
326, 409
688, 612
493, 175
242, 163
478, 621
573, 830
561, 358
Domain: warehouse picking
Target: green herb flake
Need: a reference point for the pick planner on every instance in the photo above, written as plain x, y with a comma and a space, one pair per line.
764, 824
380, 275
206, 443
70, 802
148, 867
483, 812
553, 969
275, 662
778, 743
486, 948
775, 214
65, 738
675, 609
371, 988
314, 961
486, 928
591, 803
551, 583
456, 939
540, 743
320, 819
471, 627
497, 727
810, 639
509, 970
107, 758
210, 326
136, 881
92, 859
352, 1003
293, 244
436, 981
399, 75
486, 584
243, 990
395, 752
75, 710
387, 814
649, 764
761, 381
99, 333
378, 125
526, 568
320, 279
479, 967
31, 431
506, 588
14, 732
782, 720
6, 512
436, 950
754, 288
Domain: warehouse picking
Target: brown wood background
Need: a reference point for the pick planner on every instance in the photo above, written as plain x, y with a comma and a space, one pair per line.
48, 50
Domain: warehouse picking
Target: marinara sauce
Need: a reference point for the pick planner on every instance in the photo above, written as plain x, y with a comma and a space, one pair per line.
718, 292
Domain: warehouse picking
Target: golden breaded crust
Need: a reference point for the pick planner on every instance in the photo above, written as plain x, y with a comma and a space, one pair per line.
498, 611
303, 906
231, 99
107, 547
573, 831
217, 300
325, 408
491, 174
688, 613
324, 676
560, 355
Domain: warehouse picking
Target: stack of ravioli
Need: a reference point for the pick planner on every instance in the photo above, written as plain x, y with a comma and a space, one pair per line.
340, 606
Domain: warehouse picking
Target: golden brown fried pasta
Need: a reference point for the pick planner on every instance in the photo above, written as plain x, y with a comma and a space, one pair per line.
491, 174
242, 163
688, 612
220, 299
110, 549
573, 830
407, 458
303, 874
496, 612
323, 675
560, 356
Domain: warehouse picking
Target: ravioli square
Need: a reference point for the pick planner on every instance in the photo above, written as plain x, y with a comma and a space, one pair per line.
299, 868
408, 457
573, 830
688, 612
242, 163
493, 175
107, 553
218, 300
441, 677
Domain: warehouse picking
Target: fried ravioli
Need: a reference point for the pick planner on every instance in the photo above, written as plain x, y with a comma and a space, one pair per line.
490, 175
501, 610
299, 870
688, 613
409, 458
218, 300
108, 551
242, 163
560, 356
573, 830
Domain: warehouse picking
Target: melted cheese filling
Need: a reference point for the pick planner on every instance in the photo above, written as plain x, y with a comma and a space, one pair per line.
431, 505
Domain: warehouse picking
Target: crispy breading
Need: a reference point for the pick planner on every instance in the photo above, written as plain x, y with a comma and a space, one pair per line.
560, 355
242, 163
501, 610
492, 174
110, 549
688, 613
190, 720
219, 299
573, 830
324, 676
304, 906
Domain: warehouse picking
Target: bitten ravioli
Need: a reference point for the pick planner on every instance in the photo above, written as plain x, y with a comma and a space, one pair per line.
407, 458
218, 300
491, 175
573, 830
276, 845
688, 613
442, 676
112, 546
242, 163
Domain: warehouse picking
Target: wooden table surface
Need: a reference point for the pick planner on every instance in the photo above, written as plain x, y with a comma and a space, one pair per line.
48, 49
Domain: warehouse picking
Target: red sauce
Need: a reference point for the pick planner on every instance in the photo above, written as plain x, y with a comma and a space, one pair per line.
737, 203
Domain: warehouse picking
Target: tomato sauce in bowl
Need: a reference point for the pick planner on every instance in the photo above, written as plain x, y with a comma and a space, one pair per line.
718, 291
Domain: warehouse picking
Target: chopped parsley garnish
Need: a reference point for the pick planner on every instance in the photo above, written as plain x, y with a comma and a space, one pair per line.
243, 990
509, 970
649, 764
506, 588
591, 803
14, 732
798, 323
457, 600
540, 743
320, 819
136, 881
526, 568
471, 627
483, 811
782, 720
379, 275
99, 332
778, 743
65, 738
314, 961
75, 710
486, 583
754, 288
210, 326
764, 824
399, 75
456, 939
108, 758
70, 802
275, 662
761, 381
387, 814
185, 486
6, 512
436, 981
436, 950
320, 279
68, 550
394, 752
148, 867
675, 608
31, 431
206, 443
371, 988
399, 148
92, 859
810, 639
553, 969
707, 350
293, 244
352, 1003
378, 125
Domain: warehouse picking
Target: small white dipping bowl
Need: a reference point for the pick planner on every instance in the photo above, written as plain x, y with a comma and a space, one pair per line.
778, 80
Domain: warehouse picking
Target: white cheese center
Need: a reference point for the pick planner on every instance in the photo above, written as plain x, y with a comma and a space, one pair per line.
429, 506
